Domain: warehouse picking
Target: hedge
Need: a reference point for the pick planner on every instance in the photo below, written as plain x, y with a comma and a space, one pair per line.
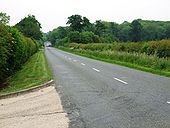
159, 48
15, 50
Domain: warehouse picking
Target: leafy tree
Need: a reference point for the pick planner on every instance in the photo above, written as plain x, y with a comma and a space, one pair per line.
167, 31
74, 37
124, 32
57, 34
87, 26
136, 31
80, 28
30, 27
4, 18
99, 28
75, 22
114, 28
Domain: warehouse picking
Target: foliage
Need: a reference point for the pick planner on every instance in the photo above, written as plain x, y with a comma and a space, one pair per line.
139, 61
160, 49
99, 28
15, 49
74, 36
56, 35
77, 23
33, 73
136, 31
30, 27
108, 32
4, 18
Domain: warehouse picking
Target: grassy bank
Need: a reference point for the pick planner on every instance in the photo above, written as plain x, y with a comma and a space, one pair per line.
33, 73
138, 61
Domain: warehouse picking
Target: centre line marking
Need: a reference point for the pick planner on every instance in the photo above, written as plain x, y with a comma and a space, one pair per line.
120, 80
83, 64
168, 102
75, 60
96, 69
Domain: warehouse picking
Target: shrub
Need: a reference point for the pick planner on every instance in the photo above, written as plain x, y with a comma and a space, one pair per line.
159, 48
15, 49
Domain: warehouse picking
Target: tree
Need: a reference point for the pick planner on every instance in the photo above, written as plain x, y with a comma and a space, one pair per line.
167, 31
99, 27
4, 18
30, 27
124, 31
136, 31
87, 26
75, 22
57, 34
74, 37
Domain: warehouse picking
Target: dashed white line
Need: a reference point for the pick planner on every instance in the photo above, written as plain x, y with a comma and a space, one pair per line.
96, 69
120, 80
75, 60
168, 102
83, 64
69, 58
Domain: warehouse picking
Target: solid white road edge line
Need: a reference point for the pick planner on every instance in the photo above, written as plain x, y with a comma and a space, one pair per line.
96, 69
120, 80
83, 64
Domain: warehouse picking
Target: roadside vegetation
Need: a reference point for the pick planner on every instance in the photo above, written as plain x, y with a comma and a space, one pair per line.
18, 44
81, 30
33, 73
141, 44
151, 56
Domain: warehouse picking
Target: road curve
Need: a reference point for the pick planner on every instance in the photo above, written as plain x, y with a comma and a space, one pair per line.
97, 94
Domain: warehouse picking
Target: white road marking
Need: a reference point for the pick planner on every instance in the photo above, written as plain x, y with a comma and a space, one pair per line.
168, 102
75, 60
69, 58
83, 64
120, 80
96, 69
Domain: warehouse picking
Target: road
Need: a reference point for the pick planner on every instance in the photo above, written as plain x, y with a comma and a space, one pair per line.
97, 94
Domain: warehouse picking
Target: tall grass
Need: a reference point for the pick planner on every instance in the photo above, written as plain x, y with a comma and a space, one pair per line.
158, 48
139, 60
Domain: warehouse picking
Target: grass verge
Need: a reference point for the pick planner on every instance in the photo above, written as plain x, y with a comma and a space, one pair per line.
33, 73
96, 56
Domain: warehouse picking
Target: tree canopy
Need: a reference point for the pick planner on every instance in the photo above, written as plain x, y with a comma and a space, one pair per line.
106, 32
4, 18
30, 27
136, 31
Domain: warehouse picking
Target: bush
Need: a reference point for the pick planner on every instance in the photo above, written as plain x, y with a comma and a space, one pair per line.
159, 48
15, 49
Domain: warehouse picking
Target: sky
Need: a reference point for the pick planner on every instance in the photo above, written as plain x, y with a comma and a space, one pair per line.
54, 13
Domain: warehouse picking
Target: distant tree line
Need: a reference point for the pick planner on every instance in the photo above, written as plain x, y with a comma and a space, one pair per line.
81, 30
17, 43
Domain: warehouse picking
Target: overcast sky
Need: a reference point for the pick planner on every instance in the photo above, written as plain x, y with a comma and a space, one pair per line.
54, 13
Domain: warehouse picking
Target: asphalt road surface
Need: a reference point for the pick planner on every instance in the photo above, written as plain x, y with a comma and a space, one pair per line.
96, 94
